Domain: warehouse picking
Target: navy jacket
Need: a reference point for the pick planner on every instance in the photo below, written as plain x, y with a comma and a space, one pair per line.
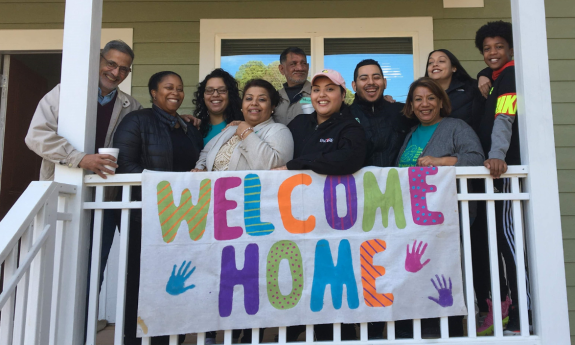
467, 103
143, 138
335, 147
385, 129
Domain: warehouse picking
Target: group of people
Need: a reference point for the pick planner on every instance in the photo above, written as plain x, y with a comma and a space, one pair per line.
448, 118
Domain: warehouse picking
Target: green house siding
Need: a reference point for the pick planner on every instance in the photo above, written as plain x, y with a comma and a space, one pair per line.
561, 40
166, 37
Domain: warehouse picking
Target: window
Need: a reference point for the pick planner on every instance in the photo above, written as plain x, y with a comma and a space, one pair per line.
394, 54
258, 58
400, 45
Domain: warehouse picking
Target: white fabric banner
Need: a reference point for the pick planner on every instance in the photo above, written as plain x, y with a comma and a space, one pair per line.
249, 249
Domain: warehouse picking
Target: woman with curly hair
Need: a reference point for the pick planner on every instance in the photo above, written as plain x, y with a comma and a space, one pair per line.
217, 103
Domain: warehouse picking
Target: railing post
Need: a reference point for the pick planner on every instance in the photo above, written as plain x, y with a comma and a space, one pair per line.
77, 118
40, 277
545, 245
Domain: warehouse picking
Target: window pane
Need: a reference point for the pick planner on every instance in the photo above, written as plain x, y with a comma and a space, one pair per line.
246, 59
394, 54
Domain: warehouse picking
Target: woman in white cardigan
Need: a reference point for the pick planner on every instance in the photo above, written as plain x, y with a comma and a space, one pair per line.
258, 143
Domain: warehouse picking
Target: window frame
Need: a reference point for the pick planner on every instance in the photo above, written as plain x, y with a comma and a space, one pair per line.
212, 31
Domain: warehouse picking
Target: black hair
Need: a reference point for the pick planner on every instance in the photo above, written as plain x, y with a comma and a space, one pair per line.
365, 62
120, 46
233, 110
157, 78
460, 72
275, 97
293, 50
494, 29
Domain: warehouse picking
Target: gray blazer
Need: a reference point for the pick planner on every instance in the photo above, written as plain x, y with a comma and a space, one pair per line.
452, 138
269, 146
43, 137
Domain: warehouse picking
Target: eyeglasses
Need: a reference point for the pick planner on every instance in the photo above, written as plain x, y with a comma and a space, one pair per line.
221, 91
302, 64
111, 65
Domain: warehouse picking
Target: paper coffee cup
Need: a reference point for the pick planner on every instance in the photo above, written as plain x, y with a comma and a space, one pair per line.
109, 151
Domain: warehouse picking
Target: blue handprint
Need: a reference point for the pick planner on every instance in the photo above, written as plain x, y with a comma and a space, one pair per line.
175, 284
445, 294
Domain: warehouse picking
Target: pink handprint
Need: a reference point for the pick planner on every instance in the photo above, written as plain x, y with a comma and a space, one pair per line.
413, 259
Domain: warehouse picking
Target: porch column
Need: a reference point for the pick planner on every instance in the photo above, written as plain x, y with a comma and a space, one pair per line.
547, 268
77, 123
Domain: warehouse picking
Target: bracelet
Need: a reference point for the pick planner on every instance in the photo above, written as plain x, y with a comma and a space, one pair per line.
244, 132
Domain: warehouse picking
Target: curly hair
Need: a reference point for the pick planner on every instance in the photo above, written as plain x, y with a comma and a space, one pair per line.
233, 110
494, 29
275, 97
460, 72
432, 86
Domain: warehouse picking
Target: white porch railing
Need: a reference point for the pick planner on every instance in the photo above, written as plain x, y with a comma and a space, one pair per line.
517, 196
30, 243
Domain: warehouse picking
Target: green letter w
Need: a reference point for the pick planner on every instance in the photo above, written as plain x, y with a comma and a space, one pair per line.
171, 216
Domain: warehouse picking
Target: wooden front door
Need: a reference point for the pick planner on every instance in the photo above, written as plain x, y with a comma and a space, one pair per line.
20, 166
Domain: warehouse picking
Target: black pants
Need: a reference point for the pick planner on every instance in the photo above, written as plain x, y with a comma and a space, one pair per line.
133, 285
505, 248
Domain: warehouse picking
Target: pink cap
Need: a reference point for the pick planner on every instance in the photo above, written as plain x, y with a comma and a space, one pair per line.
334, 76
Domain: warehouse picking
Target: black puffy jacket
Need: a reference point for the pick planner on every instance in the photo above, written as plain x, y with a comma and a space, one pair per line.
334, 147
467, 103
385, 129
143, 138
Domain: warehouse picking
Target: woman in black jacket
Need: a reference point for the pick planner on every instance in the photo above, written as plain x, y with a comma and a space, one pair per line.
329, 140
155, 139
466, 100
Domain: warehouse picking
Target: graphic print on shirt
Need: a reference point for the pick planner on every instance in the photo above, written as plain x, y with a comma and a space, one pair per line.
506, 104
411, 153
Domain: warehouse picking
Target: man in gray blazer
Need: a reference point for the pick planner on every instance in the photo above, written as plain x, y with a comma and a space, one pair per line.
297, 89
113, 104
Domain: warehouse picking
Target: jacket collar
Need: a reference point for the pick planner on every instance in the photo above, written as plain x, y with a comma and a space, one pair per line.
263, 124
496, 73
305, 89
340, 115
123, 98
168, 119
370, 105
455, 84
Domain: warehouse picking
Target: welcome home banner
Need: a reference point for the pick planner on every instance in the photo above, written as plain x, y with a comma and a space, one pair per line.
248, 249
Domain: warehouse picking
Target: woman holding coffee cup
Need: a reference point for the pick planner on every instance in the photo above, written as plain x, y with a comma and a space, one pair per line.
155, 139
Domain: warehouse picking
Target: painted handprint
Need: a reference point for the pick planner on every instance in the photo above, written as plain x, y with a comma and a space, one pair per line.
445, 294
413, 259
176, 283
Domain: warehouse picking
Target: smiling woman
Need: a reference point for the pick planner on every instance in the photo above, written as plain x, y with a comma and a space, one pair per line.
258, 143
328, 141
438, 140
217, 103
154, 139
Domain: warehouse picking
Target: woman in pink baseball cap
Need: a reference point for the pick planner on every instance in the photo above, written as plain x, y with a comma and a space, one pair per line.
329, 140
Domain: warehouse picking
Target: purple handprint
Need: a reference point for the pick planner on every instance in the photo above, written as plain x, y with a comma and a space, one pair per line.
413, 259
445, 294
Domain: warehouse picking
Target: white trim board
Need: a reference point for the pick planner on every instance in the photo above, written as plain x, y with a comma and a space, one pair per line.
463, 3
51, 40
213, 30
